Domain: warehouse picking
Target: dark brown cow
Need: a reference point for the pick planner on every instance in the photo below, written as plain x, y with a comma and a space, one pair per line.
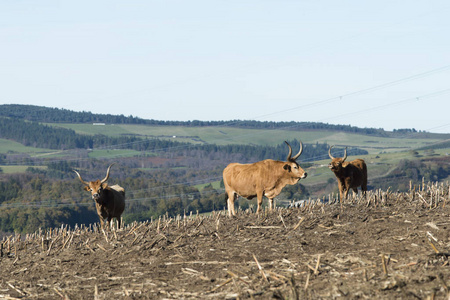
264, 178
350, 175
109, 200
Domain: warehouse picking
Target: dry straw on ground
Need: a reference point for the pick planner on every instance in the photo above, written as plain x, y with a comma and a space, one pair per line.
385, 246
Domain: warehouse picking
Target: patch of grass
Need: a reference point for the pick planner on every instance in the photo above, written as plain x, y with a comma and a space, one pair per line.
229, 135
215, 185
90, 129
19, 169
7, 146
113, 153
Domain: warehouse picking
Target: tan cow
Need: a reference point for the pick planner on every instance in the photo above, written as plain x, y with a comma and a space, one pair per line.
109, 200
350, 175
264, 178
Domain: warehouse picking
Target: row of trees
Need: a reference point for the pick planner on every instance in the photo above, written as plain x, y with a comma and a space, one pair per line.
56, 115
33, 134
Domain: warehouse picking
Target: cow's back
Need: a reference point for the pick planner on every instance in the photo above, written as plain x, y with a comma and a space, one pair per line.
360, 164
119, 199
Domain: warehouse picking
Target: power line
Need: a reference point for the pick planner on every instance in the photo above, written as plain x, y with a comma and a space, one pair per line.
317, 103
404, 101
359, 92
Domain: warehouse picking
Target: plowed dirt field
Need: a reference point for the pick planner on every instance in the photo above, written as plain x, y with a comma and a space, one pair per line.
388, 246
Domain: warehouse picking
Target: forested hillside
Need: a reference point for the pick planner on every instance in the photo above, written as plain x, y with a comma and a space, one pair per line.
42, 136
57, 115
167, 176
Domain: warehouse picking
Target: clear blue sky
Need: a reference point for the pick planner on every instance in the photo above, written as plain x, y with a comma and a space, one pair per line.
382, 64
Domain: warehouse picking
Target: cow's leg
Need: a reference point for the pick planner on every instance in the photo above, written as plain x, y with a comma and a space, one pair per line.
102, 223
271, 204
230, 203
259, 195
341, 191
347, 186
345, 193
118, 222
364, 187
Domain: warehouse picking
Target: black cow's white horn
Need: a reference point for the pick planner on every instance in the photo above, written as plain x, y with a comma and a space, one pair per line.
345, 155
107, 173
81, 179
329, 152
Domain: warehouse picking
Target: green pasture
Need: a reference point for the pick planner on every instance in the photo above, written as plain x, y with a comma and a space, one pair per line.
18, 169
228, 135
90, 129
7, 146
215, 185
12, 147
384, 152
113, 153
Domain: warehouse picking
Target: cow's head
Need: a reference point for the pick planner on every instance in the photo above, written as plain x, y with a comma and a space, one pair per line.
336, 162
95, 187
291, 166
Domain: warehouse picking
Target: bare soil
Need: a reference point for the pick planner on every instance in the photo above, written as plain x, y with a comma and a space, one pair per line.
388, 246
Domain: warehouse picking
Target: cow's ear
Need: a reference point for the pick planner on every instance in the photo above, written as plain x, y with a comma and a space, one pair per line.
104, 186
287, 167
87, 188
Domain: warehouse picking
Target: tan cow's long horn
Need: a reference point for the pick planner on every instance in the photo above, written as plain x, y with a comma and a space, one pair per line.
299, 152
329, 152
345, 155
107, 173
81, 179
290, 151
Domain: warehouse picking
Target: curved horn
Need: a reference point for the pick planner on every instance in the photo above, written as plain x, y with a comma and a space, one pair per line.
329, 152
299, 152
290, 151
345, 155
107, 173
81, 179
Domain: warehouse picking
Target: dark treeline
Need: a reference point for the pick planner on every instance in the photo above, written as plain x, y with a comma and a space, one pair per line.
37, 135
56, 115
30, 133
250, 153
